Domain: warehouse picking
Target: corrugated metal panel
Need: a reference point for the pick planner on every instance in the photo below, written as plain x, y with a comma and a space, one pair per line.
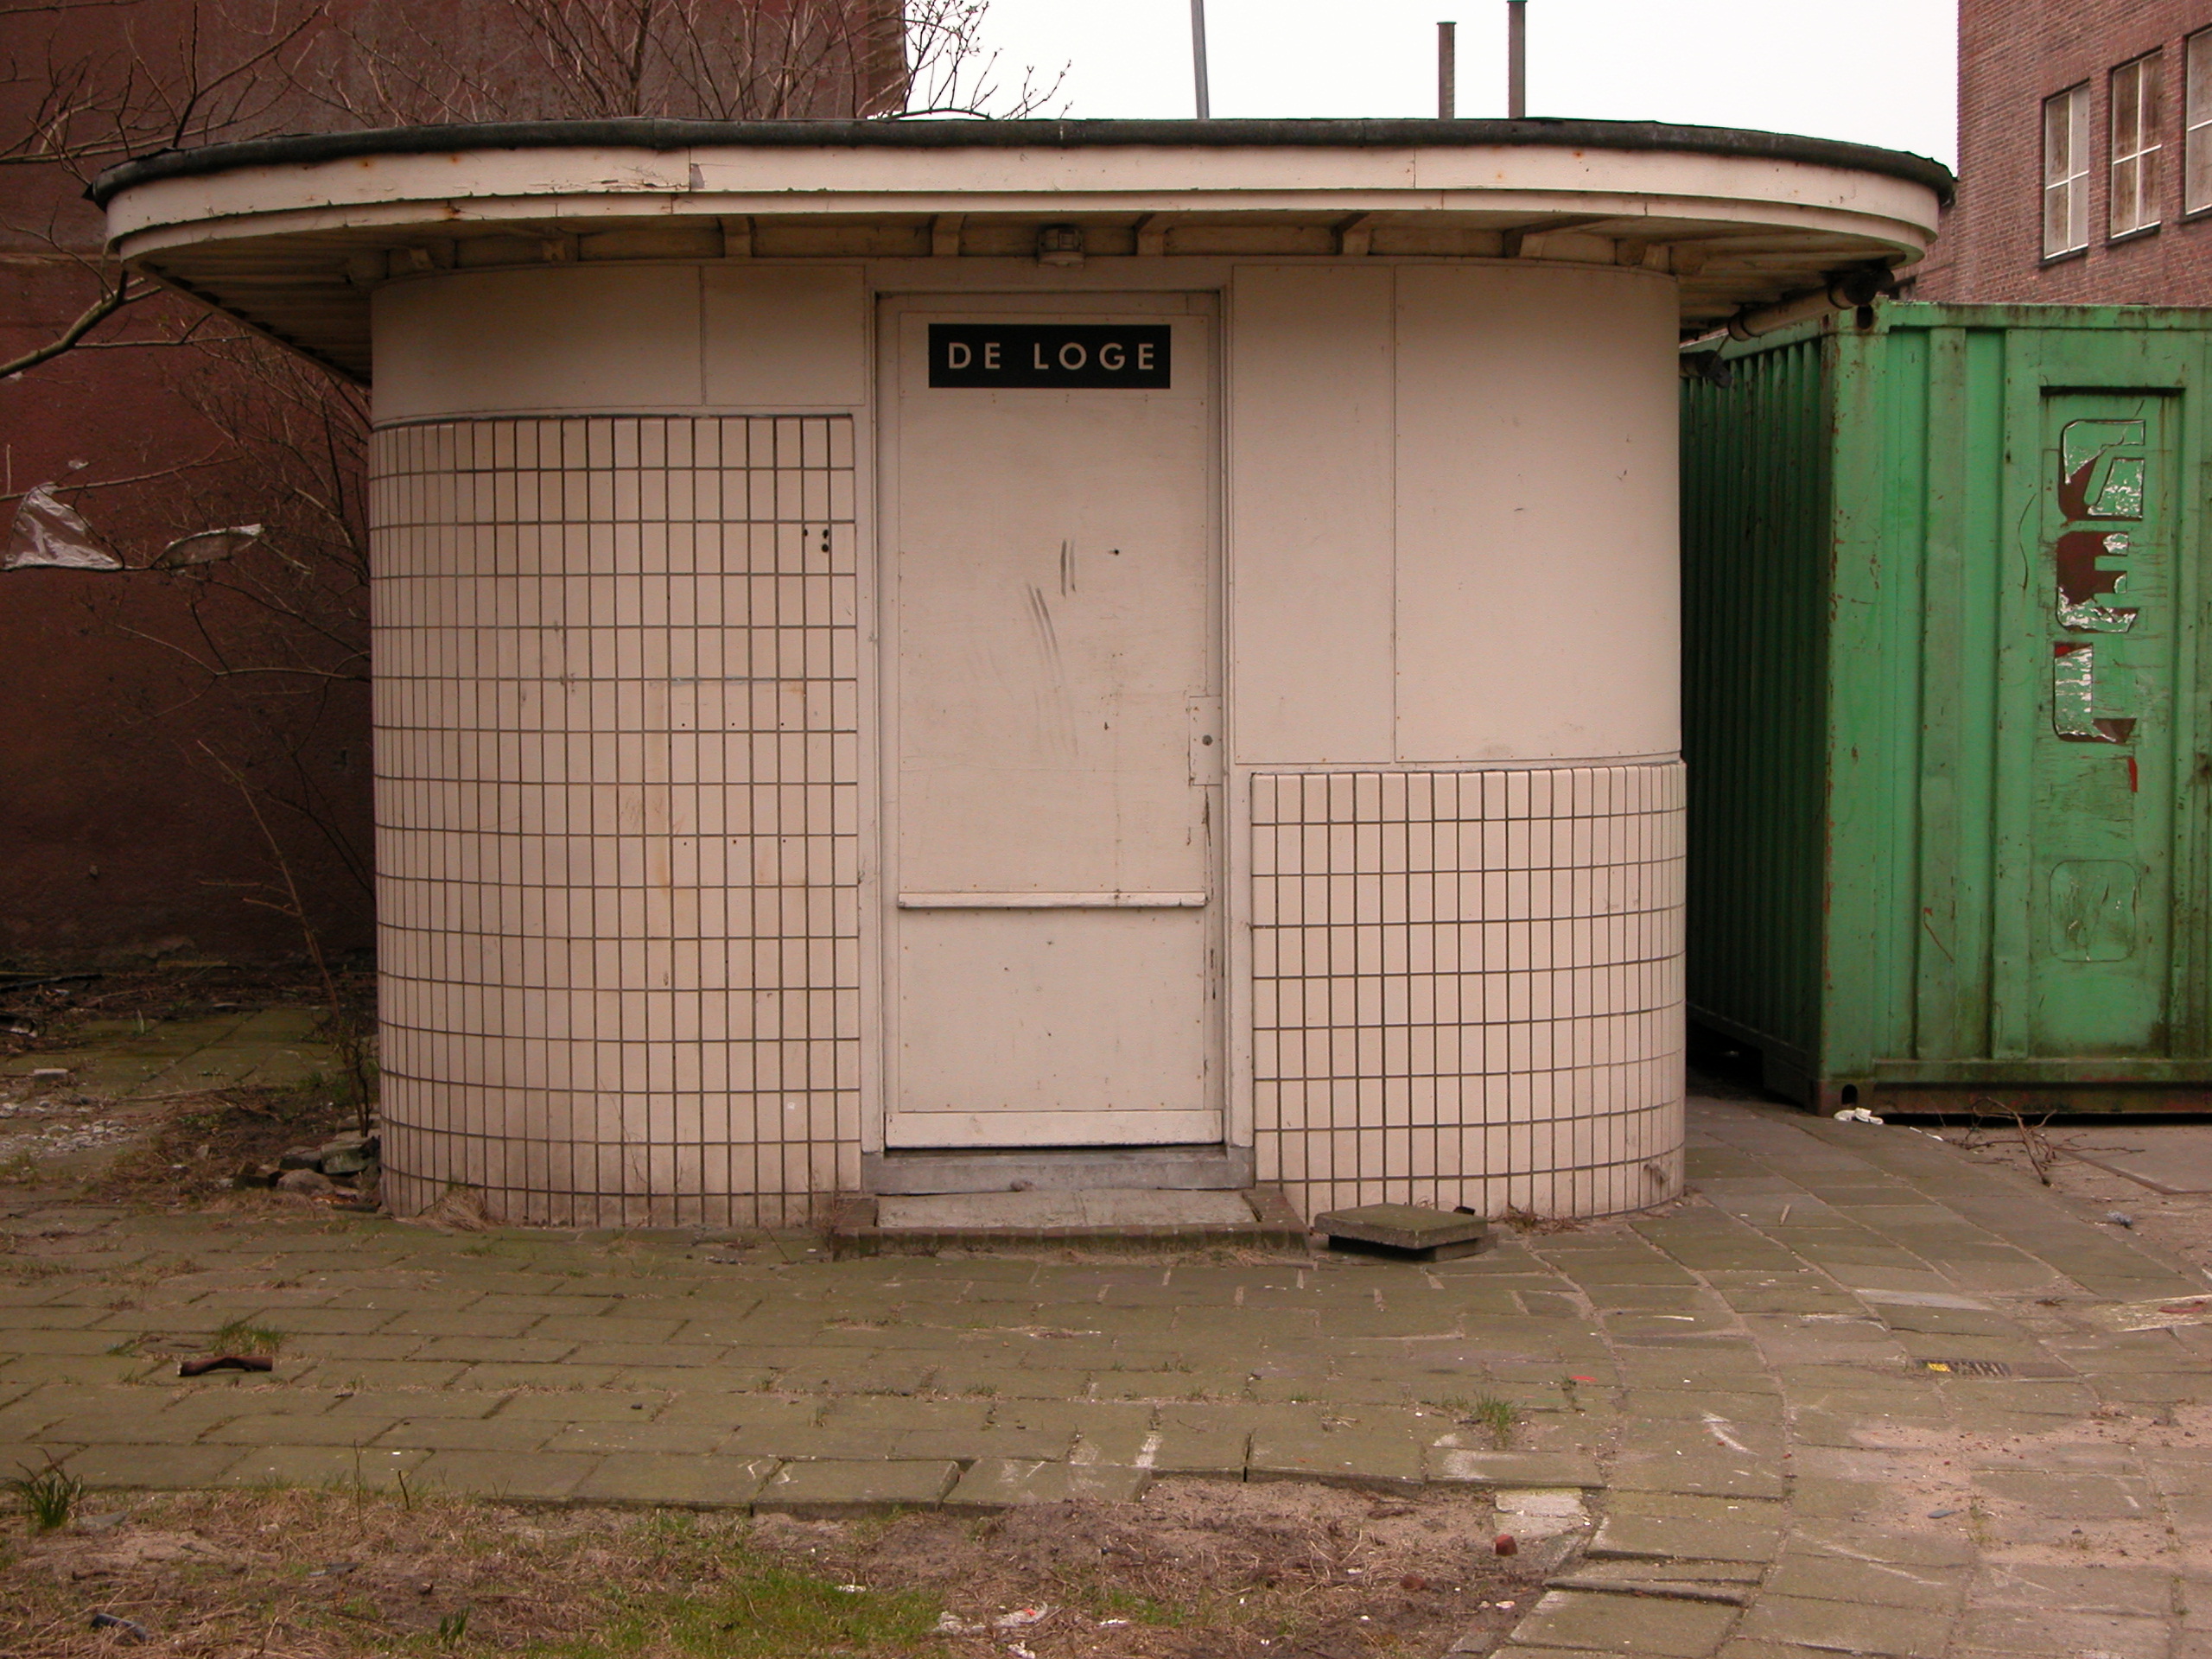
1944, 588
1756, 504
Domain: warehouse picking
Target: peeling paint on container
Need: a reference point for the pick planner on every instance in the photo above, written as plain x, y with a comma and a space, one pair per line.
1948, 775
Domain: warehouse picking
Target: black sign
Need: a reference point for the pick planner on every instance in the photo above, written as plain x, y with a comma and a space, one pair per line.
1051, 354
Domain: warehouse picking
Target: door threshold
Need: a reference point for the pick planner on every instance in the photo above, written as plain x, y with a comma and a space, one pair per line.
1057, 1169
1108, 1221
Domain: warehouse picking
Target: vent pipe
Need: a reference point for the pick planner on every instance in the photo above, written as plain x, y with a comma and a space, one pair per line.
1516, 59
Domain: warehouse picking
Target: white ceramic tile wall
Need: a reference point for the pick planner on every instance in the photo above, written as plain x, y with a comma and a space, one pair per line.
1467, 986
617, 815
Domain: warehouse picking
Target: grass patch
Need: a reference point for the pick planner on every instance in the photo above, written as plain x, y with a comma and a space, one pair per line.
1500, 1417
767, 1613
1198, 1570
49, 1495
243, 1336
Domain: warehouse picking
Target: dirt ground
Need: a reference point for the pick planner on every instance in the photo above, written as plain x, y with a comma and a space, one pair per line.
166, 1150
1197, 1570
2179, 1223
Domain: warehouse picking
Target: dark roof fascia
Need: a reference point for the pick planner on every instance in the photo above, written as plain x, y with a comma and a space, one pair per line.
645, 133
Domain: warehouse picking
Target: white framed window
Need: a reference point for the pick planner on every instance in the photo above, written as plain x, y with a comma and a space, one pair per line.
2196, 122
2065, 172
2135, 131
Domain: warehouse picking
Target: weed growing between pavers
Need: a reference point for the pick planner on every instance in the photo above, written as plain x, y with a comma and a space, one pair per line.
1198, 1570
49, 1496
244, 1336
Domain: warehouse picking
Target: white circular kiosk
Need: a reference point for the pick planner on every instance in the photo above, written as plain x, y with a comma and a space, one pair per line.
911, 653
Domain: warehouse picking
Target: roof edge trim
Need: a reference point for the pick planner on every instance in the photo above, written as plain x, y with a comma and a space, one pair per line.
647, 133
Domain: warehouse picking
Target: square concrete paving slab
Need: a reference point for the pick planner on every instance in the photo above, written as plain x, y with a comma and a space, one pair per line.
159, 1467
334, 1466
1625, 1624
832, 1487
529, 1476
1847, 1627
688, 1481
1652, 1537
1005, 1483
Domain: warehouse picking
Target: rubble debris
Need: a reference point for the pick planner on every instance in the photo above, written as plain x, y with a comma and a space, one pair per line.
208, 1363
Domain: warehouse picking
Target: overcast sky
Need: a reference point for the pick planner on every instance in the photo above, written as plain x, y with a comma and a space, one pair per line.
1880, 72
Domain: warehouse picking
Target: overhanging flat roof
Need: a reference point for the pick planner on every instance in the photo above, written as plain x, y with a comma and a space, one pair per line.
290, 234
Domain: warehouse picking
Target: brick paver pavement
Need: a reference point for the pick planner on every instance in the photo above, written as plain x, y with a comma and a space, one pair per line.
1858, 1395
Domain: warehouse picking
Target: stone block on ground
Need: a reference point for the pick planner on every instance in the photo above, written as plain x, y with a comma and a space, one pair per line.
681, 1482
1656, 1537
1003, 1482
1350, 1455
834, 1486
1849, 1627
1650, 1629
1447, 1464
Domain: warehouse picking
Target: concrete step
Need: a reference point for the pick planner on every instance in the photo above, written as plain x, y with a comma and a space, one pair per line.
1119, 1219
1057, 1169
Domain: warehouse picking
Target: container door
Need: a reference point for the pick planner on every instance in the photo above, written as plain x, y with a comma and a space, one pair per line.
2101, 794
1051, 737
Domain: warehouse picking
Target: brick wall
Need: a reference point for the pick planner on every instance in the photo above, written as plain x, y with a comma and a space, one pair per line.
2012, 54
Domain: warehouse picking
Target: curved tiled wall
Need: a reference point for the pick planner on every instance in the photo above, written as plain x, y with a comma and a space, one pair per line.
1467, 986
617, 815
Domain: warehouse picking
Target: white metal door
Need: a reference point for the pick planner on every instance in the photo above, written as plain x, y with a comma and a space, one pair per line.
1051, 726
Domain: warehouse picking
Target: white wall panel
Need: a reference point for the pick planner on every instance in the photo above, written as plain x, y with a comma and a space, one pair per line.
556, 339
1310, 514
784, 338
1535, 584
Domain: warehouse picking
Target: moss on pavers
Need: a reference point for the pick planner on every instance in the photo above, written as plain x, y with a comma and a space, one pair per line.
1631, 1624
827, 1487
1007, 1482
679, 1481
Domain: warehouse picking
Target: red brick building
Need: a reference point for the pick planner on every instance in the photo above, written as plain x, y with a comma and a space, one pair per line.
2085, 156
159, 732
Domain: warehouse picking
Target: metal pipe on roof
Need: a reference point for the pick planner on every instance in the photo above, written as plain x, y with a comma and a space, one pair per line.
1846, 291
1198, 57
1447, 71
1516, 59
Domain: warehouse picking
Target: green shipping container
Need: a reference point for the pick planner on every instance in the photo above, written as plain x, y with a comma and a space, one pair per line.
1945, 706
